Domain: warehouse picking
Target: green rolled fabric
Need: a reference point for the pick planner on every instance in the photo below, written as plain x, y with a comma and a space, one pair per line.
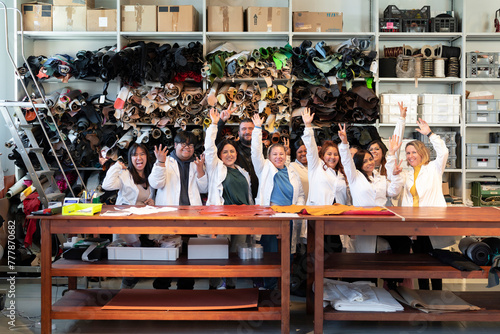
279, 59
264, 53
242, 60
341, 73
325, 65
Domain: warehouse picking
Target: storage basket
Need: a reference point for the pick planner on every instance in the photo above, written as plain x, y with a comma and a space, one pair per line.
444, 24
392, 11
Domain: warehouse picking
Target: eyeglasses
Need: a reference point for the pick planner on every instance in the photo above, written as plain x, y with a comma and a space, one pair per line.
184, 145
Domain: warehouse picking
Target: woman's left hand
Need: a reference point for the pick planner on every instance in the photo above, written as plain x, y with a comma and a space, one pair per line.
149, 201
424, 127
394, 144
286, 145
398, 169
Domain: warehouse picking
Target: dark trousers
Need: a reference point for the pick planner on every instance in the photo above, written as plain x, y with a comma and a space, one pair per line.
423, 245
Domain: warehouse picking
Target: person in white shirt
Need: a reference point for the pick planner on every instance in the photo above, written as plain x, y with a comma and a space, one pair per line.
133, 189
179, 179
423, 188
228, 183
299, 166
328, 182
368, 188
278, 185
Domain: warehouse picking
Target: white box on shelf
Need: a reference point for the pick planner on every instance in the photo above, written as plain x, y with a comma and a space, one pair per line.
143, 253
208, 248
393, 119
439, 113
490, 150
393, 99
439, 99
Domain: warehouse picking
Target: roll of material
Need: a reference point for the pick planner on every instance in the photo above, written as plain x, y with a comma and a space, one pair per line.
17, 187
450, 51
439, 68
476, 251
427, 51
257, 252
245, 253
494, 244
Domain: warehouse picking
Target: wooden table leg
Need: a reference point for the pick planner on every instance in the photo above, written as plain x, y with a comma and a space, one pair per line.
72, 283
46, 244
310, 266
285, 276
319, 271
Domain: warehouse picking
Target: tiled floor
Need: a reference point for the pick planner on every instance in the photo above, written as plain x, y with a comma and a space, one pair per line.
28, 305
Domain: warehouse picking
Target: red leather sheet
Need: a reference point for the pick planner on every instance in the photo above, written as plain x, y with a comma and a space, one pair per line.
237, 210
183, 300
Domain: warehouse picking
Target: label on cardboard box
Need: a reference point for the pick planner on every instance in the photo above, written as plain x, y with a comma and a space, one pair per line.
317, 22
101, 19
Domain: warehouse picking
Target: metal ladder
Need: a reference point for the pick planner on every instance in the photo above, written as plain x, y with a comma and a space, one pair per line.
13, 115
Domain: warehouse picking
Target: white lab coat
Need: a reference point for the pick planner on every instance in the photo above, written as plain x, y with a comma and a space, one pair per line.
429, 186
167, 182
326, 185
265, 171
302, 172
365, 193
217, 171
120, 179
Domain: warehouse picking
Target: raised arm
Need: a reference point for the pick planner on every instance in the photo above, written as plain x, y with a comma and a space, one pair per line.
112, 180
313, 160
256, 146
345, 156
393, 168
158, 179
211, 158
437, 143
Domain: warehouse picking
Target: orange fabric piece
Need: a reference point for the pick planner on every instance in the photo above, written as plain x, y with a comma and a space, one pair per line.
324, 210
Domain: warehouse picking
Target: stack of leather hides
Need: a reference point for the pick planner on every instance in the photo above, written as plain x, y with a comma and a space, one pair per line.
359, 105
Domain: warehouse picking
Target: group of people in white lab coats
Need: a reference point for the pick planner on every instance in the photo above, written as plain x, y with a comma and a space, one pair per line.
319, 176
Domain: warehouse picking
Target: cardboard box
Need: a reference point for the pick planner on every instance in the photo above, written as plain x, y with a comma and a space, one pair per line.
267, 19
37, 16
208, 248
101, 19
317, 22
177, 18
138, 18
69, 18
225, 18
85, 3
446, 188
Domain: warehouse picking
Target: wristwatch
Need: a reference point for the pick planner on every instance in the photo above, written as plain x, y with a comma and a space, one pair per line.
429, 134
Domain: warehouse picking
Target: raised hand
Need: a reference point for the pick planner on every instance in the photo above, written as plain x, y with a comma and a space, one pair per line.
257, 121
225, 114
286, 145
424, 127
161, 153
394, 144
214, 116
343, 134
398, 169
307, 118
200, 161
402, 109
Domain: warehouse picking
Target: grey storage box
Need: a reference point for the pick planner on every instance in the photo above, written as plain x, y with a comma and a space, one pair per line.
480, 117
473, 104
481, 150
482, 162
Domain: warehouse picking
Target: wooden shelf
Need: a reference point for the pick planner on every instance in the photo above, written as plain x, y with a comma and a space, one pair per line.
87, 304
485, 300
269, 266
393, 266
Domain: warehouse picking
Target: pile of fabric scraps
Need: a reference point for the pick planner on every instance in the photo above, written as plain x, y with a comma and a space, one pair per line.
358, 297
323, 64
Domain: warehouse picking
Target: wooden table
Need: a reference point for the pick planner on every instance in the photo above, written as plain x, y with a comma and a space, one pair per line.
459, 221
86, 304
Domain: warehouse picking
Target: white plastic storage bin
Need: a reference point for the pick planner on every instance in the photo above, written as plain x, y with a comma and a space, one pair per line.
451, 163
439, 99
489, 150
482, 162
449, 114
449, 137
480, 117
389, 114
393, 99
474, 104
143, 253
452, 150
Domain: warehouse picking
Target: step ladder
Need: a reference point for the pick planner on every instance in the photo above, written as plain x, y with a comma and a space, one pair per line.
15, 120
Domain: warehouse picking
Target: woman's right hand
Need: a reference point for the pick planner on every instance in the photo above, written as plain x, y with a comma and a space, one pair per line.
161, 153
307, 118
257, 121
343, 134
214, 116
225, 114
402, 109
